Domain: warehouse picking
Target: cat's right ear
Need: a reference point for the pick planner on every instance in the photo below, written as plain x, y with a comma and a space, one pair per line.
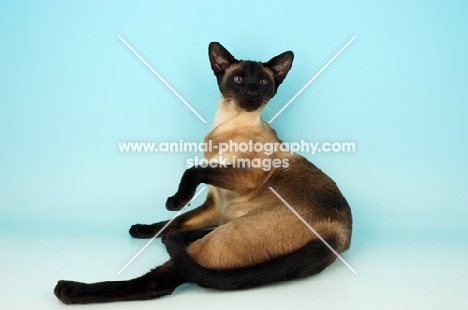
220, 58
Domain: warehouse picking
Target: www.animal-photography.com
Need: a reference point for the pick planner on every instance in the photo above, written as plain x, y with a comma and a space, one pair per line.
250, 155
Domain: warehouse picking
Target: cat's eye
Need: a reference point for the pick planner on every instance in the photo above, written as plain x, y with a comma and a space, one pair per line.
238, 79
263, 81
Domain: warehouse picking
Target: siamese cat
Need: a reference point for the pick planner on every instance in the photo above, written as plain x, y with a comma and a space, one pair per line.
257, 240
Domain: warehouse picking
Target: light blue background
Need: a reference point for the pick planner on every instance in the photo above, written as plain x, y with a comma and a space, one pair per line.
70, 90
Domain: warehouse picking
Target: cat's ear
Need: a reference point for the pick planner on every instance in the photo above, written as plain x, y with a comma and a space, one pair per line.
220, 58
280, 66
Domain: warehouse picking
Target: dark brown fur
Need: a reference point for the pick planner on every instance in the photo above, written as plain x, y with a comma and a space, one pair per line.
258, 240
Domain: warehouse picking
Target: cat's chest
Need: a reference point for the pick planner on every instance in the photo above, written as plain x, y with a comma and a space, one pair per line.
230, 204
227, 143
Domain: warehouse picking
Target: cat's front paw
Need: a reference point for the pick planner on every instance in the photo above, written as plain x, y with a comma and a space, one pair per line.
141, 231
176, 203
70, 292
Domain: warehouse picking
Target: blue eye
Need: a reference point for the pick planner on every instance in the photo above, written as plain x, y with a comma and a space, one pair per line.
263, 81
238, 79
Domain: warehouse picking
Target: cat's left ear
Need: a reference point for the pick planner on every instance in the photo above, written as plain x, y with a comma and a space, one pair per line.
220, 58
280, 65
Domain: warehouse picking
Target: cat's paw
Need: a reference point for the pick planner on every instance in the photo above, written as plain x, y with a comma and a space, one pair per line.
141, 231
70, 292
176, 202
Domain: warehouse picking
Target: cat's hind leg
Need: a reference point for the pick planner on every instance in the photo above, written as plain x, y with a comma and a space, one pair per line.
156, 283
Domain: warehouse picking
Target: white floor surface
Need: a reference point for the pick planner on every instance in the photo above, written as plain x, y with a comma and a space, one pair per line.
392, 274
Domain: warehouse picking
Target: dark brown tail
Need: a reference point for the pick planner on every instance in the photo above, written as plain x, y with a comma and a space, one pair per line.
308, 260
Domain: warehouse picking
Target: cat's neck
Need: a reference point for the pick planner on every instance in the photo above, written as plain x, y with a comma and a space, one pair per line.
229, 114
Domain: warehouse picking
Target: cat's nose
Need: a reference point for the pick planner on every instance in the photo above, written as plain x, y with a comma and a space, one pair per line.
252, 91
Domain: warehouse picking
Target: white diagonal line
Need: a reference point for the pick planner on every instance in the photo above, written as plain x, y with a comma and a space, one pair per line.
162, 80
313, 230
312, 79
155, 236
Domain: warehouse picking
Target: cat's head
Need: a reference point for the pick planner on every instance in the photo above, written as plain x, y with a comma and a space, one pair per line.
249, 84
